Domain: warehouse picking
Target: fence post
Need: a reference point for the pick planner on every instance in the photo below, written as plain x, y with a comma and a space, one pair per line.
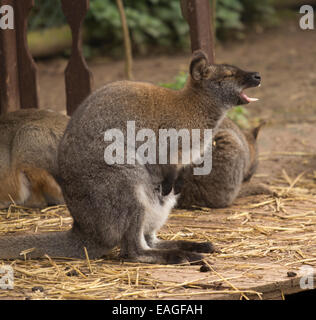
198, 15
27, 69
77, 74
9, 82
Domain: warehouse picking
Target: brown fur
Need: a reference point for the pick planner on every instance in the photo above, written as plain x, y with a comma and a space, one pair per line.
234, 161
28, 157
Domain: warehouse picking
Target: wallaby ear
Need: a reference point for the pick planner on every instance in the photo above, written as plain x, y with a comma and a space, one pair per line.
256, 130
199, 67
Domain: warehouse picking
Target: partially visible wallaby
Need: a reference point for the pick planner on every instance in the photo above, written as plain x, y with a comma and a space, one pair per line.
234, 161
122, 204
29, 140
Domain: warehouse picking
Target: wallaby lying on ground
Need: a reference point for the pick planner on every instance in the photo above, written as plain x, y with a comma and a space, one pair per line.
120, 204
29, 140
234, 161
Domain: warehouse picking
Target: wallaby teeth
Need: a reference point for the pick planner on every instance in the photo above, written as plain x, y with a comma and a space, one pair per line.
248, 99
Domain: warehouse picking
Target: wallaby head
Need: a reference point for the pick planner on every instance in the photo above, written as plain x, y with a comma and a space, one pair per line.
251, 136
224, 82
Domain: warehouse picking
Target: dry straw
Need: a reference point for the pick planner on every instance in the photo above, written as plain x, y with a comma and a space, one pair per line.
261, 238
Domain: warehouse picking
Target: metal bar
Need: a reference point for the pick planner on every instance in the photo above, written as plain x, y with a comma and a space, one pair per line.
198, 15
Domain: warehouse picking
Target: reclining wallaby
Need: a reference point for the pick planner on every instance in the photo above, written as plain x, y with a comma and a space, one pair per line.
234, 161
121, 204
29, 140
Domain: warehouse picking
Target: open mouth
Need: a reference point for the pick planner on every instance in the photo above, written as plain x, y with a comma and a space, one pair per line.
246, 98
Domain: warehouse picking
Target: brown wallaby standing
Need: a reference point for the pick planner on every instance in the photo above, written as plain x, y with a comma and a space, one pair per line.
234, 161
29, 140
122, 204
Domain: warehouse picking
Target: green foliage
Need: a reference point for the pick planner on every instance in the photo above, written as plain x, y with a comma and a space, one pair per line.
178, 83
228, 14
151, 22
259, 12
238, 114
46, 14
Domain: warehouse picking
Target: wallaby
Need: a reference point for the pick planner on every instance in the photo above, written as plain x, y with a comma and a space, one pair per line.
234, 161
120, 204
29, 140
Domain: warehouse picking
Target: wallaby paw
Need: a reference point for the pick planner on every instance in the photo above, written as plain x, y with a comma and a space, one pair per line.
194, 258
183, 257
200, 247
205, 247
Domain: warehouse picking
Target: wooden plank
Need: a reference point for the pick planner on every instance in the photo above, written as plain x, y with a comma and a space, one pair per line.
198, 15
257, 281
77, 74
27, 70
9, 86
264, 241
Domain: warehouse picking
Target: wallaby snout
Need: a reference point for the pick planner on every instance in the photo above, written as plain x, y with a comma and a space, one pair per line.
252, 79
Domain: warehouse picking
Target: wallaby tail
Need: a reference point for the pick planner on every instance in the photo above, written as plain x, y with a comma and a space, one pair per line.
54, 244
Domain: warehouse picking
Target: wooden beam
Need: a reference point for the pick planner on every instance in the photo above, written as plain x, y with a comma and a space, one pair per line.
27, 70
198, 15
9, 83
77, 74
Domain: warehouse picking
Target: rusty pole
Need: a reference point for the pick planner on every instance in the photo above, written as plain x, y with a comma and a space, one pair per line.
198, 15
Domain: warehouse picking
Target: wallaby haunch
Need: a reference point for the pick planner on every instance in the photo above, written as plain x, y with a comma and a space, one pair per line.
29, 140
234, 161
120, 204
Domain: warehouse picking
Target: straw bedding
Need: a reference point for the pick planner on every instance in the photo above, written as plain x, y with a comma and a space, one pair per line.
263, 240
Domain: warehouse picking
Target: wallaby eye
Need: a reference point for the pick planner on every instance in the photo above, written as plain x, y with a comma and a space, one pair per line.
228, 74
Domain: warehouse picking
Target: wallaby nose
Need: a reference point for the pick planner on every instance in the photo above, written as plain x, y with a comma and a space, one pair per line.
256, 76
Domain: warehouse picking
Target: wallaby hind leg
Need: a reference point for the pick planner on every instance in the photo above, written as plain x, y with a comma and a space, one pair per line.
108, 210
152, 212
44, 189
14, 188
135, 248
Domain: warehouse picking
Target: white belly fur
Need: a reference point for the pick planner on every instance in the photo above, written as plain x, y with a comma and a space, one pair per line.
156, 214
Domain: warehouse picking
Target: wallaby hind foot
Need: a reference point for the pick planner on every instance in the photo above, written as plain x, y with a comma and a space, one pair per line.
170, 256
201, 247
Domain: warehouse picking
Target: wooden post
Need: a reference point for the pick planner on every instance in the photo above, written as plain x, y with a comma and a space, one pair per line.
27, 70
77, 74
198, 15
9, 83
